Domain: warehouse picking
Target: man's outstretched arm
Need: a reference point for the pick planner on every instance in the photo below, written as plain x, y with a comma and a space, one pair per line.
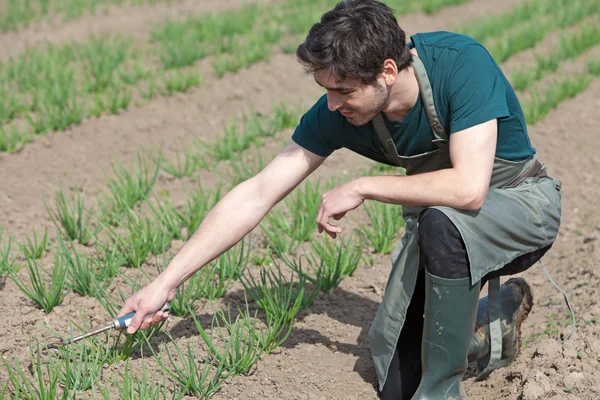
232, 218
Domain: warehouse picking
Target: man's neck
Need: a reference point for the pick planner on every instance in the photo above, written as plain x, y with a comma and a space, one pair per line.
404, 94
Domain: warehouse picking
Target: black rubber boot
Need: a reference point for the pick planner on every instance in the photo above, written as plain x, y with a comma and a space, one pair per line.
515, 304
450, 313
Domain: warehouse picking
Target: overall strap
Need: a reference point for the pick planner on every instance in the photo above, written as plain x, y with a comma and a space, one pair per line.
427, 98
389, 147
426, 94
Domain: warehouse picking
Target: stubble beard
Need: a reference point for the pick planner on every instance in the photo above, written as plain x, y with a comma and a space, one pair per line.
364, 117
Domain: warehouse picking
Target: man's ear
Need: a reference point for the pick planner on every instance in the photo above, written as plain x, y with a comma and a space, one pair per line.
390, 71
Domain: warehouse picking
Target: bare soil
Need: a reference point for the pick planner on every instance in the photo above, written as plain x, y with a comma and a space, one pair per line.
328, 354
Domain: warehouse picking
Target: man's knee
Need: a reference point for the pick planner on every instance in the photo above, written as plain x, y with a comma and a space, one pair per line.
442, 246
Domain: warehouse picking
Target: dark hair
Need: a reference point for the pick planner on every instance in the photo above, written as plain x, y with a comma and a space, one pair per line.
353, 40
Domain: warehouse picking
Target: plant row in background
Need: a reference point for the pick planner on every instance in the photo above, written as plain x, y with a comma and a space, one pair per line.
58, 86
19, 14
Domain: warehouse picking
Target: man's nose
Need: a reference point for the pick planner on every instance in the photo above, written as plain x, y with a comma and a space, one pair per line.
334, 101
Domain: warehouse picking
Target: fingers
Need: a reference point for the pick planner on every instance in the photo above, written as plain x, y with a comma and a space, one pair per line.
155, 319
323, 222
142, 320
136, 321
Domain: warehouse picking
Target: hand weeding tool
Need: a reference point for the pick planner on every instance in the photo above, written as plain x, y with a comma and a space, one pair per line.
117, 323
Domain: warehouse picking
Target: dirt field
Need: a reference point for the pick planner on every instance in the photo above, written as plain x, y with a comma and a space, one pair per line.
327, 355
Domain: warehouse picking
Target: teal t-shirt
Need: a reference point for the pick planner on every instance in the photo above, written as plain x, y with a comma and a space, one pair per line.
468, 89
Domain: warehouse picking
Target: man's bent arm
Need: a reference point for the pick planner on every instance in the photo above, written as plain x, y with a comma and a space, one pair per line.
464, 186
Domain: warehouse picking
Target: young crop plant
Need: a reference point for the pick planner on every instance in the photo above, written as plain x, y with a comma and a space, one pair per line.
280, 299
242, 56
127, 189
285, 234
230, 142
180, 81
80, 269
45, 295
331, 263
386, 220
82, 365
102, 56
433, 6
195, 378
132, 387
12, 139
58, 104
71, 218
593, 67
6, 259
166, 217
144, 236
108, 260
45, 384
184, 164
35, 248
240, 337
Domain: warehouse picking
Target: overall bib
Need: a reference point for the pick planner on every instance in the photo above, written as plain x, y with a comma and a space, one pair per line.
521, 214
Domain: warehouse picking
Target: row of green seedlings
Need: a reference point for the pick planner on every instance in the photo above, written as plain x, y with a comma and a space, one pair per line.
569, 46
54, 88
126, 190
520, 14
526, 36
238, 345
19, 14
544, 100
234, 346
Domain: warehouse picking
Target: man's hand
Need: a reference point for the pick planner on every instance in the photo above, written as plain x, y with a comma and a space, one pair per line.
335, 204
149, 299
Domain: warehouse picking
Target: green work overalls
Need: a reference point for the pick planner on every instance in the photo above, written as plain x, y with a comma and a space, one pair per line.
521, 213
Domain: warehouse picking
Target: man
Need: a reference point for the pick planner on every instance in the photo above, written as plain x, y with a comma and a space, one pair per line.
477, 202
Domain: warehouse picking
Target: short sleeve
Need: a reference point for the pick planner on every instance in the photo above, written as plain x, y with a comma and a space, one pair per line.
315, 130
477, 89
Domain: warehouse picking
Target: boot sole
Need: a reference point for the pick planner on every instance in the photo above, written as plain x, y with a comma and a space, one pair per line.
520, 285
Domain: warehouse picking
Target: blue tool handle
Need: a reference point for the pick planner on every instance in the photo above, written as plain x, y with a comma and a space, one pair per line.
124, 321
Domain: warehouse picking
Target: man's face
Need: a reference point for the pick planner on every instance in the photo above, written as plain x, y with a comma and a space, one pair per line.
357, 102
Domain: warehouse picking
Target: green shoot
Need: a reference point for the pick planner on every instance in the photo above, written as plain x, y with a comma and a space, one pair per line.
35, 248
127, 189
46, 297
331, 263
6, 260
280, 300
240, 337
386, 220
80, 269
45, 383
184, 369
72, 221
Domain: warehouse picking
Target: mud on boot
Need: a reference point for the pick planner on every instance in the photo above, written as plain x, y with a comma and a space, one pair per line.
516, 302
